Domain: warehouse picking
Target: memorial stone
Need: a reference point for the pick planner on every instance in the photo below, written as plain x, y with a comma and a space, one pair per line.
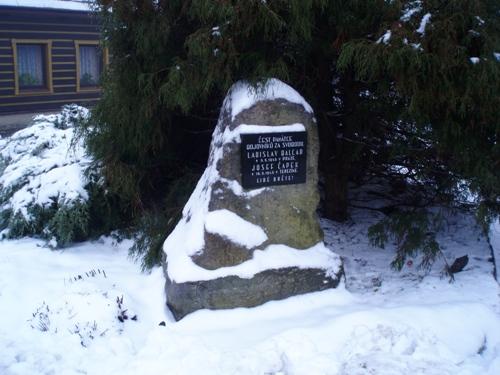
249, 232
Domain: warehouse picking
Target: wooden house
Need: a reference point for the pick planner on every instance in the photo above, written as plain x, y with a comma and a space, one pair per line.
50, 55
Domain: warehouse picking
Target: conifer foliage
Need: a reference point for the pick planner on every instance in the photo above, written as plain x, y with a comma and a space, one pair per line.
406, 91
442, 58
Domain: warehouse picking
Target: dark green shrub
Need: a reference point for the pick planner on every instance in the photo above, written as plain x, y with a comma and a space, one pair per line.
414, 232
154, 226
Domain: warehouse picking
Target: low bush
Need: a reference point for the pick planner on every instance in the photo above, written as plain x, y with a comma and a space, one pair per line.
49, 186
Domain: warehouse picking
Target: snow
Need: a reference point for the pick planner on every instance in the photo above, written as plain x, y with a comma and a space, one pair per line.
385, 38
417, 46
256, 129
43, 164
379, 322
54, 4
187, 238
423, 24
237, 189
63, 184
228, 224
412, 8
272, 257
243, 96
216, 31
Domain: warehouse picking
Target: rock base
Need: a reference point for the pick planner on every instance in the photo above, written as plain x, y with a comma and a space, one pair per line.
232, 291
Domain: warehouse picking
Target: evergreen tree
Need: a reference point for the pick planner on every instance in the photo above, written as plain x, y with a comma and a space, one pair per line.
394, 84
173, 61
441, 58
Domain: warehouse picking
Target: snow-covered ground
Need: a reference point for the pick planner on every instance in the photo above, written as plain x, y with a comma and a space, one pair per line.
89, 310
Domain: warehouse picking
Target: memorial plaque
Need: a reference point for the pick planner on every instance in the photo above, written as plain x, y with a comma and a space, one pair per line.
273, 159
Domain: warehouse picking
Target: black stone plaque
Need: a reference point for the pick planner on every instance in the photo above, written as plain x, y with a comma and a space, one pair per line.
273, 159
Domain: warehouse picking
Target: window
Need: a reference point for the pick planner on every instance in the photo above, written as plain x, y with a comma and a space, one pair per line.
90, 60
31, 66
90, 66
33, 73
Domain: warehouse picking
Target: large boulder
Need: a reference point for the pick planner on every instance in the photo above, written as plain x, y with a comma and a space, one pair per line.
241, 247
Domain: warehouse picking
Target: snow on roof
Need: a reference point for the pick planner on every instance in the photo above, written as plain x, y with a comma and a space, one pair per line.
54, 4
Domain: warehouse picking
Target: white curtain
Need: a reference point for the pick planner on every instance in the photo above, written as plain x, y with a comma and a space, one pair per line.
89, 66
30, 65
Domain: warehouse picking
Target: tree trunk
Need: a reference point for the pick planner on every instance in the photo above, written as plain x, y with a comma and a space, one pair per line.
337, 154
336, 196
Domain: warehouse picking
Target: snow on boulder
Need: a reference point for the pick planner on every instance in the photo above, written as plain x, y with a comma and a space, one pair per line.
242, 96
227, 224
239, 245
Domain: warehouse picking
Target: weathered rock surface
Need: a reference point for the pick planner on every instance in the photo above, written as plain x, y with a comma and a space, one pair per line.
233, 291
215, 253
288, 212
